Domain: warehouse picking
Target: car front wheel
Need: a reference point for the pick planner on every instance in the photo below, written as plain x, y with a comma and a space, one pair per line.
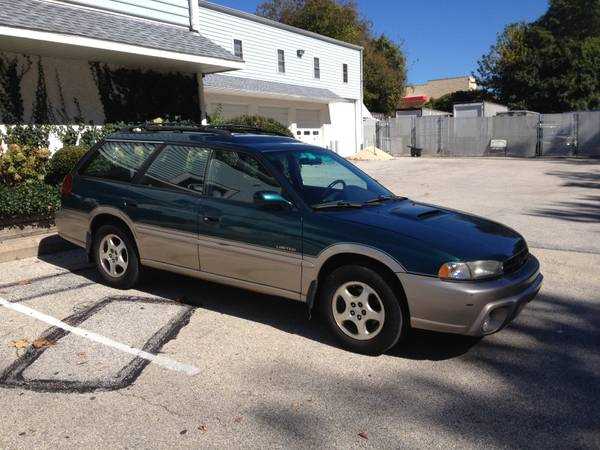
362, 310
116, 257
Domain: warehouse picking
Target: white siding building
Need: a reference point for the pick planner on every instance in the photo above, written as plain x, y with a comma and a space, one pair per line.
244, 64
307, 81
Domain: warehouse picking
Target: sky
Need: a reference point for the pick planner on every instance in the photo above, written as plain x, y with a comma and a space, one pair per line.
441, 38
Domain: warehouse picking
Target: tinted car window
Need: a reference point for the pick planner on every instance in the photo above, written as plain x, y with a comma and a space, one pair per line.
118, 161
178, 166
237, 176
321, 177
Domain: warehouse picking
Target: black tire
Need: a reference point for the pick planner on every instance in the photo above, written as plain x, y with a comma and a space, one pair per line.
125, 278
396, 320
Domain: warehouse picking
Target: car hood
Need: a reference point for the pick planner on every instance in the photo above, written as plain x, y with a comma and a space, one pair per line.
464, 236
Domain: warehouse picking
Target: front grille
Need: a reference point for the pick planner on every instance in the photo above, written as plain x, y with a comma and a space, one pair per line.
517, 261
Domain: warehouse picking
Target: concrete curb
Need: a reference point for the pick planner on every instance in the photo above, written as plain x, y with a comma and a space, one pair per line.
30, 246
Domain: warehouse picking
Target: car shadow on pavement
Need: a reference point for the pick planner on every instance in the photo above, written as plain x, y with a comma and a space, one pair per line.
534, 385
281, 313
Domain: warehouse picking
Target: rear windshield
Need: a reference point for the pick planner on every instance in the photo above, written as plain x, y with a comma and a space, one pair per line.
118, 161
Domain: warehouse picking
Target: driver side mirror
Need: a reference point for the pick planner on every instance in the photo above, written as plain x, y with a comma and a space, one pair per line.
273, 200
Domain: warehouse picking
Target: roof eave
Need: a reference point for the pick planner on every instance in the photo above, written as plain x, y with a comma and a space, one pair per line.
78, 47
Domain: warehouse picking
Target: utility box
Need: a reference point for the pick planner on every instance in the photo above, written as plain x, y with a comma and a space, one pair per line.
480, 109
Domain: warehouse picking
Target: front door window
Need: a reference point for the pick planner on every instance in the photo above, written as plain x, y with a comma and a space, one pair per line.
238, 176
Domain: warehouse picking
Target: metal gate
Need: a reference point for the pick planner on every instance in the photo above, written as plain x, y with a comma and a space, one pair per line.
558, 134
588, 133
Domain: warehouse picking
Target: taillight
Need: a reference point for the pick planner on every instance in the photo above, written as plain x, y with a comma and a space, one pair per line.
67, 185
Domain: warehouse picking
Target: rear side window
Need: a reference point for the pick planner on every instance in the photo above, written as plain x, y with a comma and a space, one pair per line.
178, 166
237, 176
118, 161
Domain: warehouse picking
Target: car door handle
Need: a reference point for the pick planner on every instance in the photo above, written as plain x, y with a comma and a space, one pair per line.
210, 220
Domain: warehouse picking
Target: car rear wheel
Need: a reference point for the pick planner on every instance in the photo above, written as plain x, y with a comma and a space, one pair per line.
116, 257
362, 310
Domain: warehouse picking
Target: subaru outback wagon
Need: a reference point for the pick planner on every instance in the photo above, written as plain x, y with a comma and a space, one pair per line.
274, 215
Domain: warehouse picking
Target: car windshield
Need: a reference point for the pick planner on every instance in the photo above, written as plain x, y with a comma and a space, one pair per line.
324, 179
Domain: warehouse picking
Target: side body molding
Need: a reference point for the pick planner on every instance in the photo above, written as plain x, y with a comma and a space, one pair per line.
312, 265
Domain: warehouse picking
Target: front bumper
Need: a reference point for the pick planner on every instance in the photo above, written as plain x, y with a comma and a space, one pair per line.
470, 308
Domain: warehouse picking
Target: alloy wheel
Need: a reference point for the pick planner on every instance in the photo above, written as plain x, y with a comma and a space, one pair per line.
114, 258
358, 310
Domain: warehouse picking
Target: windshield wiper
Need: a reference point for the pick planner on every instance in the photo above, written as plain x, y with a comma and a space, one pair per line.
337, 204
384, 198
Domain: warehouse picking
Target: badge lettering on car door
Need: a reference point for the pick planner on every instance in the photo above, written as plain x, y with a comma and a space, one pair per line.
286, 249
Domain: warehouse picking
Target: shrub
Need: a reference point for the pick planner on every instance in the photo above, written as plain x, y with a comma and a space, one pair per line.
94, 134
32, 136
69, 135
30, 200
260, 122
62, 163
23, 164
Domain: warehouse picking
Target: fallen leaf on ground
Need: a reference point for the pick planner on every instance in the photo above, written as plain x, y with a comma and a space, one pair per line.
203, 428
364, 435
43, 343
182, 432
238, 419
19, 344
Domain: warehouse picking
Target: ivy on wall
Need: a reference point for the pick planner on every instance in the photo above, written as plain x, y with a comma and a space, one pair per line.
41, 106
12, 72
130, 95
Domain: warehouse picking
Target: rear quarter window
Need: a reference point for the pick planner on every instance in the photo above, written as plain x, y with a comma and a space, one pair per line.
118, 161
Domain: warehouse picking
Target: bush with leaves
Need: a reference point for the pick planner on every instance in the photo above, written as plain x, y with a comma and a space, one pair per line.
23, 164
262, 123
32, 136
94, 134
63, 162
69, 135
35, 200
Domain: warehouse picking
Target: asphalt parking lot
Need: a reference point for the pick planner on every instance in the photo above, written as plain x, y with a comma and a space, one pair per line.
222, 367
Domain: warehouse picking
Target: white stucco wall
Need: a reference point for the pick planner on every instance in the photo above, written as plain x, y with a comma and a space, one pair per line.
77, 83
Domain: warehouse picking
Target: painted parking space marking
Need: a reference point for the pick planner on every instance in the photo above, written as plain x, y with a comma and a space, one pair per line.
138, 354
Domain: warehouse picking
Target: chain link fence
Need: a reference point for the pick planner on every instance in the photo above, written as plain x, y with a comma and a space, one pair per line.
531, 135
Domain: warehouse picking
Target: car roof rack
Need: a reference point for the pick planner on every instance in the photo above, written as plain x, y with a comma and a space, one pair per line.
222, 130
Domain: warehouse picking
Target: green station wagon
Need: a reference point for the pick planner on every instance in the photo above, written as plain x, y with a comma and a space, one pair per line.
274, 215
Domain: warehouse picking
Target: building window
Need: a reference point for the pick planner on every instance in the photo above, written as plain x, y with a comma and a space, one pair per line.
238, 49
281, 61
317, 68
345, 73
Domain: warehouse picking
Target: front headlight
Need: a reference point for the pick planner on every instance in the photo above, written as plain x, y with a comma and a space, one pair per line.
473, 270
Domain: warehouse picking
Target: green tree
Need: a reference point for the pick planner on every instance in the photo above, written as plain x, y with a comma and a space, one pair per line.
336, 19
550, 65
384, 63
384, 75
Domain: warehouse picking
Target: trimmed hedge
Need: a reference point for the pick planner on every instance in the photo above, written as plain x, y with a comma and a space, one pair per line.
34, 200
62, 163
260, 122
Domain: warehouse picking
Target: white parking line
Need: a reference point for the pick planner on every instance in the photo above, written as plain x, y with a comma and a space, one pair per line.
155, 359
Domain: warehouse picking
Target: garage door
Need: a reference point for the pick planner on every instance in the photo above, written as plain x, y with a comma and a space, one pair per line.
279, 114
309, 126
308, 118
230, 110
